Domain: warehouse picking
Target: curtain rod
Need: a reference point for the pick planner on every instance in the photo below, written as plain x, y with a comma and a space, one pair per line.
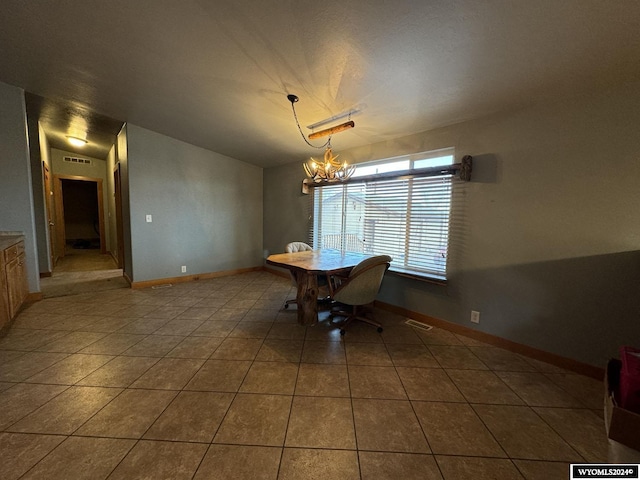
462, 169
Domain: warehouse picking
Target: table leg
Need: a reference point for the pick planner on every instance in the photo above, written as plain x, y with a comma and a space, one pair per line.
307, 298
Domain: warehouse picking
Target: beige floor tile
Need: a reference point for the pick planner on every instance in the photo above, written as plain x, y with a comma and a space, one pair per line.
119, 372
455, 468
537, 470
321, 380
73, 342
544, 367
165, 311
271, 377
198, 312
483, 387
27, 365
452, 356
5, 386
455, 429
81, 458
20, 452
238, 349
471, 342
156, 460
587, 390
74, 322
581, 429
438, 336
255, 419
191, 417
411, 355
129, 415
154, 346
71, 369
22, 399
27, 339
395, 466
367, 354
286, 331
113, 344
359, 332
321, 422
537, 390
258, 314
430, 384
169, 374
251, 330
323, 352
7, 356
67, 411
219, 376
302, 464
220, 329
498, 359
179, 327
143, 326
400, 334
226, 314
523, 434
388, 425
375, 382
195, 347
278, 350
108, 324
239, 462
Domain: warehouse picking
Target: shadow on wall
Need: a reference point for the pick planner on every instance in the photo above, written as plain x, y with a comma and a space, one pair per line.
579, 308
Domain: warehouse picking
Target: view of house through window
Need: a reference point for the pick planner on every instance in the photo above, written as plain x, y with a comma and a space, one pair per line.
406, 217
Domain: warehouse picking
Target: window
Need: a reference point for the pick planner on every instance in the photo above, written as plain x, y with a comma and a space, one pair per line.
376, 212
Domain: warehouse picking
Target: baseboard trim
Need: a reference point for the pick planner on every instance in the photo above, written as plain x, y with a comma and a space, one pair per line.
531, 352
34, 297
191, 278
46, 274
279, 273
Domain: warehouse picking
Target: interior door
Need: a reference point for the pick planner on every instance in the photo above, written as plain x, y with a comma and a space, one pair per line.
48, 200
117, 187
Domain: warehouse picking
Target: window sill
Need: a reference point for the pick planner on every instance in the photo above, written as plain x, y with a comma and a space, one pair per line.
423, 278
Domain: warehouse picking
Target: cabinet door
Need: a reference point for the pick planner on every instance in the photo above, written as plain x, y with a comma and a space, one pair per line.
17, 284
4, 297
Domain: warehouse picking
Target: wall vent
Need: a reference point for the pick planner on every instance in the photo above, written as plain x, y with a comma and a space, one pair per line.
83, 161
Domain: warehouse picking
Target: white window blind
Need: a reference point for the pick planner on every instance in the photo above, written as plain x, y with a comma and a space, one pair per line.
405, 217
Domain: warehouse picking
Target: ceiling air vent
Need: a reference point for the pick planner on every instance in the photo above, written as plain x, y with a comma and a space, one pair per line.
84, 161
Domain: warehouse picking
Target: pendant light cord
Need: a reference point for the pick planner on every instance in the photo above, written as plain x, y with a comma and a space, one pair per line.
293, 99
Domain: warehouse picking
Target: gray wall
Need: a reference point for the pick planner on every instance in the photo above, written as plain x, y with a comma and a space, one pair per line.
206, 208
16, 199
545, 240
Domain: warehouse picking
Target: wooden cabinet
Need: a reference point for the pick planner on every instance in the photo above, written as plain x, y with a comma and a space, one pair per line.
14, 287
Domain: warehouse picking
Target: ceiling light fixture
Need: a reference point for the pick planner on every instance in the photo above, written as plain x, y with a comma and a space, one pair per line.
76, 141
329, 170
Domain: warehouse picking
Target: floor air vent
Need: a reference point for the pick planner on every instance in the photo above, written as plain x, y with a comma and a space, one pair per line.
421, 326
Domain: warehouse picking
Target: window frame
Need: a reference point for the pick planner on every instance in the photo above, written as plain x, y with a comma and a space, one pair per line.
461, 170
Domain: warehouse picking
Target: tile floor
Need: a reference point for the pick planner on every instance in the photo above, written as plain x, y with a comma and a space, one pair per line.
213, 380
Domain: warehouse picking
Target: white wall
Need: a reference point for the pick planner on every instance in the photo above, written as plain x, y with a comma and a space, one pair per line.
545, 240
206, 208
16, 199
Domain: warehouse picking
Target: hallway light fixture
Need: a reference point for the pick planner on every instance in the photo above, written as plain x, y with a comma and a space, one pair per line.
76, 141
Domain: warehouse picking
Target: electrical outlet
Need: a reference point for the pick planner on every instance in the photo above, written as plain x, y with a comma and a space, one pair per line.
184, 269
149, 219
475, 316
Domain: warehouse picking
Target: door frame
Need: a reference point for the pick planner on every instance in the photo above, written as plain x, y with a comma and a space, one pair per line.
59, 224
117, 193
48, 199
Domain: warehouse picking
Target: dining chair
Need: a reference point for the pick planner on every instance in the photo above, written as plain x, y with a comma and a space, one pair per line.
299, 247
358, 290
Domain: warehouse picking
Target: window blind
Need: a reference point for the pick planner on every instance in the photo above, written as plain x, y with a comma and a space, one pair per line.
405, 217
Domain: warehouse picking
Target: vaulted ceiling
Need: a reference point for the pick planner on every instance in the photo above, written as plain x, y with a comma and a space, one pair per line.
216, 73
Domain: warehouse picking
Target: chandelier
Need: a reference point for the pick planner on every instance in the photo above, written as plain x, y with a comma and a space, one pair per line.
328, 170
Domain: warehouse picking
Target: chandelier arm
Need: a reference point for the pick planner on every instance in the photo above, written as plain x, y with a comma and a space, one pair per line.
328, 142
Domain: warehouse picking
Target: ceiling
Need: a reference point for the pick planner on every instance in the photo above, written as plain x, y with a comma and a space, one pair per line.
216, 73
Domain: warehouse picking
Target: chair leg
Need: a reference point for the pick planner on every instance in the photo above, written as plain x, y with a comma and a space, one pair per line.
352, 316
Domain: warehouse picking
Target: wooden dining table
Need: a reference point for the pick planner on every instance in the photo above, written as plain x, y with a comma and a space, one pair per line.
306, 267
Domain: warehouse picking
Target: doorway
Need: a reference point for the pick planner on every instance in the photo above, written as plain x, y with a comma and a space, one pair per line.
83, 263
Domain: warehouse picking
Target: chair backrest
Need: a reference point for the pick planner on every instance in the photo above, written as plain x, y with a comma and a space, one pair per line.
370, 261
297, 247
364, 281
